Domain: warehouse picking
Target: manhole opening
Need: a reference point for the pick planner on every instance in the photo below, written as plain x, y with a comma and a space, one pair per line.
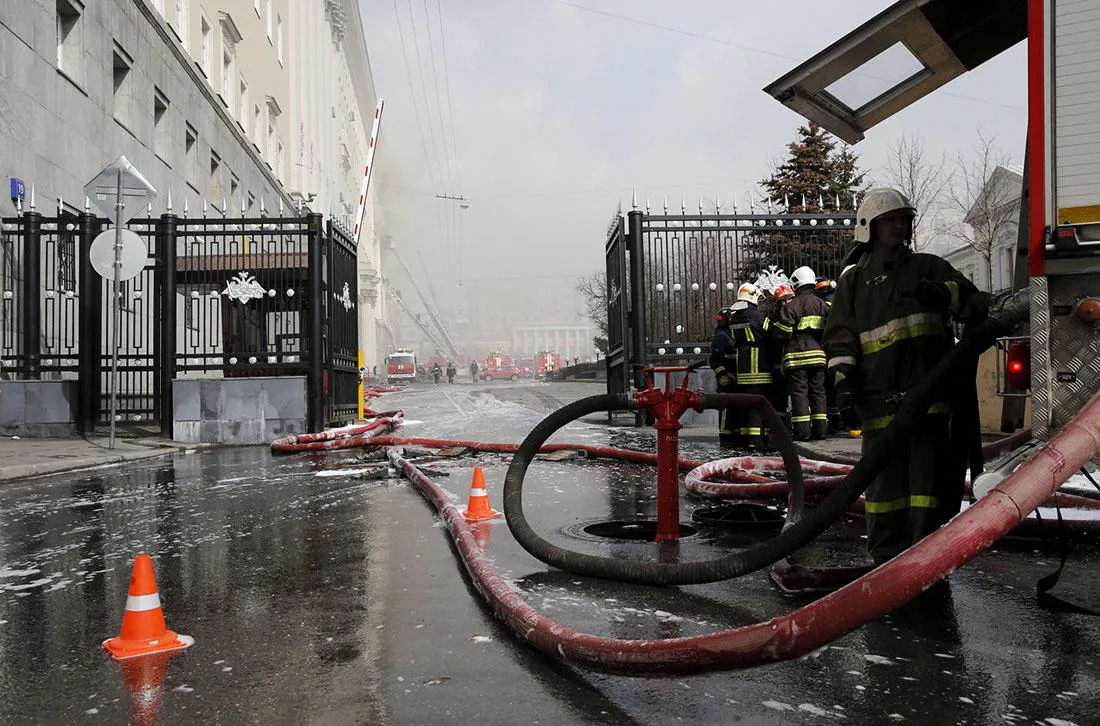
636, 530
740, 516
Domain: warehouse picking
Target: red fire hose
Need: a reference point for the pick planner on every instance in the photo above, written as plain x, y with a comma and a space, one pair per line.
810, 627
342, 438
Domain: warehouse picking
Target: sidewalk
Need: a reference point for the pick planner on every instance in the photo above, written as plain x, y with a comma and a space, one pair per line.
27, 457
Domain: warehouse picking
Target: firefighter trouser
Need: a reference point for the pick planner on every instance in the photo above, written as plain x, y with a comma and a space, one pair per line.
918, 491
807, 389
752, 428
729, 421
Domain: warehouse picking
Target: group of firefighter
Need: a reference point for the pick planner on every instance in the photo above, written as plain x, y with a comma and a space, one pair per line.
858, 345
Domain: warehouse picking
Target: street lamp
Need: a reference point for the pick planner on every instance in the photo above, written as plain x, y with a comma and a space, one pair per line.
462, 203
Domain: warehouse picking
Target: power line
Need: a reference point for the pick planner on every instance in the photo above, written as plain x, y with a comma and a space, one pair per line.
752, 49
412, 93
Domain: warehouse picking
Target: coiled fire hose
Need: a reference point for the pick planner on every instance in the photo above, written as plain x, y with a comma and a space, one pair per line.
800, 528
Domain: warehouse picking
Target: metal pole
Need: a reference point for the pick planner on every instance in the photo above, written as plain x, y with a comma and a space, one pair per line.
116, 310
91, 329
166, 253
32, 295
637, 357
315, 404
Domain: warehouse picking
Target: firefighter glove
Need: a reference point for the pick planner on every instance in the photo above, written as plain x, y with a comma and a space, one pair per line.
725, 380
934, 295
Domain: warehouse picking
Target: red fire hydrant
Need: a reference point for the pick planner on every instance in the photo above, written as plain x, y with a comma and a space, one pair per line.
667, 406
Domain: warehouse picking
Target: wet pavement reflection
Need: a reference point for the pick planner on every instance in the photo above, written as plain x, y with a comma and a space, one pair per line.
315, 596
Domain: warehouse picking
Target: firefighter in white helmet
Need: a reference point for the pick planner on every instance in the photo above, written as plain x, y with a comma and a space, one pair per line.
801, 323
888, 326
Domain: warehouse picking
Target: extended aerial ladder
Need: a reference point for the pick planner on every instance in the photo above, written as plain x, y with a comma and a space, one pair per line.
449, 344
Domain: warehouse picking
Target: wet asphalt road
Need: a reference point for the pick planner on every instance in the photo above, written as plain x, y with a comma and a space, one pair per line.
317, 597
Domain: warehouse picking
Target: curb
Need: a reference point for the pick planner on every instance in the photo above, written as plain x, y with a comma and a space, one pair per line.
42, 468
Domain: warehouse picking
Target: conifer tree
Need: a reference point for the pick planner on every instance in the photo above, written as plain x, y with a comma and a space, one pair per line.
816, 177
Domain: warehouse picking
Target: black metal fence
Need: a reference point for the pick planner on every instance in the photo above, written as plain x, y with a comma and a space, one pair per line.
668, 274
218, 298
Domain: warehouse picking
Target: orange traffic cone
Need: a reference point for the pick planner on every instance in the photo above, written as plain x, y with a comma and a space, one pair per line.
478, 505
143, 628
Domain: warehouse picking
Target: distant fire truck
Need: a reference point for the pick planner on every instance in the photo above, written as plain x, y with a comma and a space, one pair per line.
499, 366
401, 366
547, 363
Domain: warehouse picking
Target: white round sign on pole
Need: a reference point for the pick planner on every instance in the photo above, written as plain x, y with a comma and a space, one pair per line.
132, 255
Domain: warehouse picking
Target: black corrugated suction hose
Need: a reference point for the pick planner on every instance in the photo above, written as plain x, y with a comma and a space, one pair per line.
796, 533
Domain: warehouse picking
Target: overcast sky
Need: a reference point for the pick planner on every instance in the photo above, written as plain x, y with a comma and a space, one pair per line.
558, 108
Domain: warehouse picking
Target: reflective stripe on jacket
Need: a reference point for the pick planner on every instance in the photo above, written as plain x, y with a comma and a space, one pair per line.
878, 326
802, 323
751, 332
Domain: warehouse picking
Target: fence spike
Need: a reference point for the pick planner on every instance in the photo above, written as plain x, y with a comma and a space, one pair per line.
149, 209
32, 198
168, 206
786, 203
683, 205
244, 205
634, 199
838, 202
820, 203
770, 208
717, 204
803, 201
752, 208
300, 211
204, 207
647, 204
19, 206
263, 206
87, 204
666, 204
280, 206
735, 204
700, 205
225, 205
186, 206
60, 205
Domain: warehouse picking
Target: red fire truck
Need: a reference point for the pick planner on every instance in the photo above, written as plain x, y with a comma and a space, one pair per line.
401, 366
499, 366
547, 363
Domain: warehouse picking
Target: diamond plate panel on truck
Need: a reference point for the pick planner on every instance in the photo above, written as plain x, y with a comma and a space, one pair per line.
1040, 358
1074, 348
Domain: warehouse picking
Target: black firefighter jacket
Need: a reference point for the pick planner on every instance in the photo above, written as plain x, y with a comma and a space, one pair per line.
751, 331
802, 323
877, 325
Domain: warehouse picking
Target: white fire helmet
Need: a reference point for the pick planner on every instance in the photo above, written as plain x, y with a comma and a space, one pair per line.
876, 203
803, 276
748, 292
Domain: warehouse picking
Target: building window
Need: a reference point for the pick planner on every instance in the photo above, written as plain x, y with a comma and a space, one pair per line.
123, 86
227, 75
161, 134
206, 45
258, 128
70, 39
230, 37
242, 113
182, 18
273, 112
279, 39
234, 185
215, 167
191, 155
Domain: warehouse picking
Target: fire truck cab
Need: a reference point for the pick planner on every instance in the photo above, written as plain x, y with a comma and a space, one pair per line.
499, 366
546, 363
914, 47
401, 366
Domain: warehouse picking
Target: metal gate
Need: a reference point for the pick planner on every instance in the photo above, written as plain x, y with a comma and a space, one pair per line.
678, 270
618, 354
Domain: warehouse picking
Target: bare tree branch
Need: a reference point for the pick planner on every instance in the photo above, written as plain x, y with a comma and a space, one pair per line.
593, 292
922, 178
986, 201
